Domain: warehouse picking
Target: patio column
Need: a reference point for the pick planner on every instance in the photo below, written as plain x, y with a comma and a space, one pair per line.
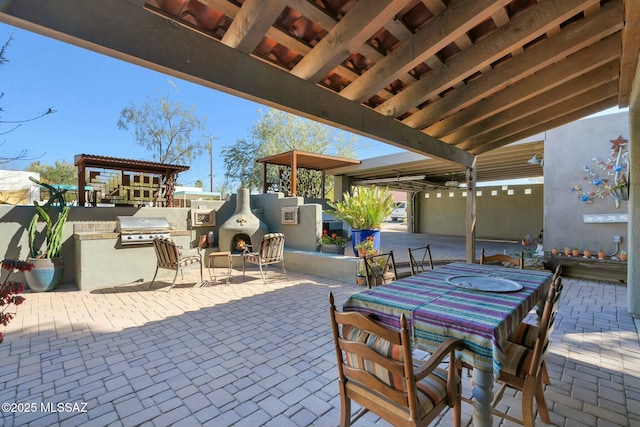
294, 174
471, 212
341, 185
82, 182
633, 263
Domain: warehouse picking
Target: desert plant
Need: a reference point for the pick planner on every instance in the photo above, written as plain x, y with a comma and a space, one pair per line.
366, 209
53, 236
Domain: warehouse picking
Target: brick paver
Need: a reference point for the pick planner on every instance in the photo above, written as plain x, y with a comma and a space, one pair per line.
256, 354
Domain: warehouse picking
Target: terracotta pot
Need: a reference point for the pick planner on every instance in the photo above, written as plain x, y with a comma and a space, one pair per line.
554, 251
587, 253
576, 252
567, 251
601, 255
623, 257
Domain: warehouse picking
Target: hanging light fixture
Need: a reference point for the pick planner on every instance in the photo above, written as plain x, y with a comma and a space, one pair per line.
534, 160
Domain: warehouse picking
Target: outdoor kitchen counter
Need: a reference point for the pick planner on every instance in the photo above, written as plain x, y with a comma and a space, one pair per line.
92, 235
102, 262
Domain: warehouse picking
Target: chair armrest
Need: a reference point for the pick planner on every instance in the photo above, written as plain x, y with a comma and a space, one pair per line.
190, 252
446, 348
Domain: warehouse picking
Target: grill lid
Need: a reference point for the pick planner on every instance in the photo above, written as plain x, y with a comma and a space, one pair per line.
129, 224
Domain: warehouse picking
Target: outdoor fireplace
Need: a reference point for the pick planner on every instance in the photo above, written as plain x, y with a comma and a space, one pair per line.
243, 225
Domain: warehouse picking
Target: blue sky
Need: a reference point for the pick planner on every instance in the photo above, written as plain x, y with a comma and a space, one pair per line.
88, 91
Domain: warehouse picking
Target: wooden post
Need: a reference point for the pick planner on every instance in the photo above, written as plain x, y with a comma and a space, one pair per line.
294, 173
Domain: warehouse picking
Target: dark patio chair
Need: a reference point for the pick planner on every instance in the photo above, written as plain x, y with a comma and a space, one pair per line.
419, 259
380, 269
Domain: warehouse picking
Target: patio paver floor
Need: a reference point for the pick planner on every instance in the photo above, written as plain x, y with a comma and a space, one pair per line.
249, 354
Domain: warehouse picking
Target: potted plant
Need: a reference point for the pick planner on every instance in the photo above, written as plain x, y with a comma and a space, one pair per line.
576, 250
364, 212
363, 249
332, 243
623, 255
366, 247
554, 251
567, 250
601, 253
587, 252
379, 265
45, 256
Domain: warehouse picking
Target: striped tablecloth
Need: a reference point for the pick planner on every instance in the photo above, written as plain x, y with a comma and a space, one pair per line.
437, 310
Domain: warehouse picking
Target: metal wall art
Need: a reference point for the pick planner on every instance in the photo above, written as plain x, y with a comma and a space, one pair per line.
609, 177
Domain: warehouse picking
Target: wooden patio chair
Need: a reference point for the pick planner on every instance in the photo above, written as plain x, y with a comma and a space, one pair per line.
527, 333
169, 256
271, 251
380, 269
524, 365
376, 370
504, 260
419, 258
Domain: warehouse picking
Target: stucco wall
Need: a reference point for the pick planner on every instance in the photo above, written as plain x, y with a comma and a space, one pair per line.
108, 260
567, 150
502, 213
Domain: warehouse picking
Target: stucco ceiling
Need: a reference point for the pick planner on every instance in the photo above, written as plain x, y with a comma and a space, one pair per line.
449, 78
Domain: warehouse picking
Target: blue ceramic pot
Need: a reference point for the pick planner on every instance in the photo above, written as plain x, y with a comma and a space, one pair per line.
45, 275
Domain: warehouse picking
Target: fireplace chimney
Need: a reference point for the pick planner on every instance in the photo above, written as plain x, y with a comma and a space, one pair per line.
242, 223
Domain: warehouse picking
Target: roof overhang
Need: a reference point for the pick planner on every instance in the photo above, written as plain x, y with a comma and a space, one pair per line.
448, 79
302, 159
413, 172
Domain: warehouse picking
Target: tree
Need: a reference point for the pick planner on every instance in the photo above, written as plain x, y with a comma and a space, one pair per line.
166, 129
61, 173
277, 132
198, 184
14, 123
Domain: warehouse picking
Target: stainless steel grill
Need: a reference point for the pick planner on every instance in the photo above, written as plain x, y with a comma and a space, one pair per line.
141, 230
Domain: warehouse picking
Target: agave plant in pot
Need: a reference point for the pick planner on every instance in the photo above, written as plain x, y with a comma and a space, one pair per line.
45, 256
364, 212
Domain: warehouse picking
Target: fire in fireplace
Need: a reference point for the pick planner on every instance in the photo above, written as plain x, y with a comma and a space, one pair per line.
240, 243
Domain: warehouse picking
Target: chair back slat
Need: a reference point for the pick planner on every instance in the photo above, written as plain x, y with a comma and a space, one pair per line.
167, 253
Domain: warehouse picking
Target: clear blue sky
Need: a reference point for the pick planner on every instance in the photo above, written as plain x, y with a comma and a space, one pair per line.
88, 91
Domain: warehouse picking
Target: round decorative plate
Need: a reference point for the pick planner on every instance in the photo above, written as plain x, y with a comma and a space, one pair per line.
484, 283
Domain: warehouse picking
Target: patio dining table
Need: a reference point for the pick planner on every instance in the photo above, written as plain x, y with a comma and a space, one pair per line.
479, 304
